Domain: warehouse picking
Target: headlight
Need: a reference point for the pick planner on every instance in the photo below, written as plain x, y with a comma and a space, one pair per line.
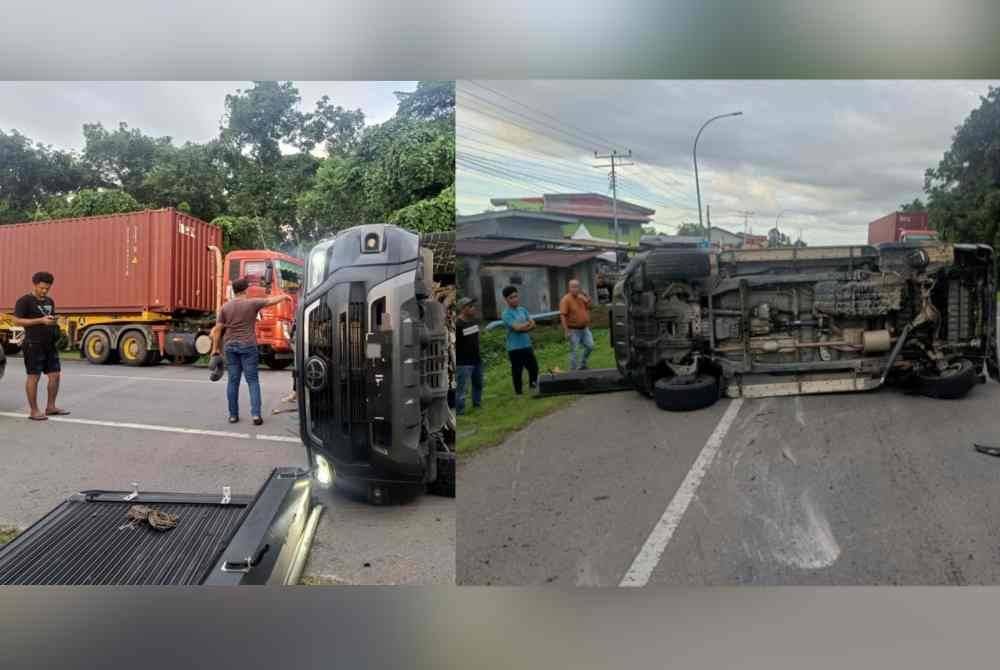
324, 471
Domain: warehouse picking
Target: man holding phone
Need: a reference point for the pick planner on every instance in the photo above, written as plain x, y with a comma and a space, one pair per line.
36, 313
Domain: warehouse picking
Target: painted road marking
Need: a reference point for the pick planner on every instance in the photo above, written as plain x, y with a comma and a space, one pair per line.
148, 379
164, 429
649, 556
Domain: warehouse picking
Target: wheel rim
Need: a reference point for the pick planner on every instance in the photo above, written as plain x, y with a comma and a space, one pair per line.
130, 349
95, 346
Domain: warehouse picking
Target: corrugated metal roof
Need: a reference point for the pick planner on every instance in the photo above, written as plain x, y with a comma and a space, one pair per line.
482, 247
553, 258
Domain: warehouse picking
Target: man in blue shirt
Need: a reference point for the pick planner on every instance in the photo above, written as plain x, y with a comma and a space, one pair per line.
519, 323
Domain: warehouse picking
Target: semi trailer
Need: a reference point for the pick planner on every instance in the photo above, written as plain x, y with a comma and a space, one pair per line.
141, 287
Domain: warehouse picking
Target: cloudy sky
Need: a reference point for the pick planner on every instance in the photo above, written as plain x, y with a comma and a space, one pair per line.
54, 112
827, 156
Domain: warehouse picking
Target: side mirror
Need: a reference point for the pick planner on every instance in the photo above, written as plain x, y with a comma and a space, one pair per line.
268, 276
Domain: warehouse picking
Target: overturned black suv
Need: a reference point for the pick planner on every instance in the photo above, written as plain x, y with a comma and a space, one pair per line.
690, 325
372, 352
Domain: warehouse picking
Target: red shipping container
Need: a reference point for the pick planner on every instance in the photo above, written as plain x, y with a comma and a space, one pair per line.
889, 227
154, 260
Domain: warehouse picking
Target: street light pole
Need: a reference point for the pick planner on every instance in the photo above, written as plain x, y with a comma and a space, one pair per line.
697, 185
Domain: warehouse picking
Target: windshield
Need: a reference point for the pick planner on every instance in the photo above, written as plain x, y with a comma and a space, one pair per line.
289, 276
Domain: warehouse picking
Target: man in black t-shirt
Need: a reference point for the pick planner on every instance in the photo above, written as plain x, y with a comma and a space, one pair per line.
468, 362
36, 313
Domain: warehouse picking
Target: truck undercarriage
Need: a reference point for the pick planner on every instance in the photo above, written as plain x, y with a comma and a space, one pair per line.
689, 325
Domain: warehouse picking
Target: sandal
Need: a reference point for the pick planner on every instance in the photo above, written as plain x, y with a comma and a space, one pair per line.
38, 418
57, 412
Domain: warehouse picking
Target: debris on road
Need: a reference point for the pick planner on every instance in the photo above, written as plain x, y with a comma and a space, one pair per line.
788, 454
155, 518
988, 450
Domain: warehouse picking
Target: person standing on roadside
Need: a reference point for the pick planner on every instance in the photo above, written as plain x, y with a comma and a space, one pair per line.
36, 313
519, 323
468, 362
235, 332
574, 312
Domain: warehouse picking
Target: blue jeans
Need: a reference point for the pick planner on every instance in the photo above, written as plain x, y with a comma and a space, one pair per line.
463, 374
580, 337
243, 360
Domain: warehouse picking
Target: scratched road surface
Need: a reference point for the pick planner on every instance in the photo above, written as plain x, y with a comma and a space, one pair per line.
878, 488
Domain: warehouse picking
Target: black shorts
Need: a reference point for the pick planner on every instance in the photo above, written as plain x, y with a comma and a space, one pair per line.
40, 359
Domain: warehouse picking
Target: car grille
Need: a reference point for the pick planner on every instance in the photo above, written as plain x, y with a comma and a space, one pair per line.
87, 542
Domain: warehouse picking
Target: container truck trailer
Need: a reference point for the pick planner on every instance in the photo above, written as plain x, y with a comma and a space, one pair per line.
143, 286
901, 227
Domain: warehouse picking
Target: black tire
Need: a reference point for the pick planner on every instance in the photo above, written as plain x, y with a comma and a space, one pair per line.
132, 348
676, 264
3, 363
277, 363
96, 347
957, 380
686, 393
11, 349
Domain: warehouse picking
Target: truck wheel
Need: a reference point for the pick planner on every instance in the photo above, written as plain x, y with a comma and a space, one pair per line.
686, 392
953, 382
277, 363
11, 349
96, 347
672, 265
133, 349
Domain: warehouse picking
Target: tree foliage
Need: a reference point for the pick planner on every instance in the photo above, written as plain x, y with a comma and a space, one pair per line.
691, 230
276, 175
87, 202
963, 191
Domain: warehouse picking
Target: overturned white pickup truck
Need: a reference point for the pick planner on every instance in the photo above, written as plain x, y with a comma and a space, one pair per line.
689, 325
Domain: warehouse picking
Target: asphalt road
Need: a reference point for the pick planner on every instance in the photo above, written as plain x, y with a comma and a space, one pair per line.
876, 488
44, 463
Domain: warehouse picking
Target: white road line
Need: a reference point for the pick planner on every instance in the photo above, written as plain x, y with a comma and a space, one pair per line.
163, 429
649, 556
147, 379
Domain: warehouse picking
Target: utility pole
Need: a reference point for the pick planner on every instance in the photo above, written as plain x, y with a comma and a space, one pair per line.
615, 158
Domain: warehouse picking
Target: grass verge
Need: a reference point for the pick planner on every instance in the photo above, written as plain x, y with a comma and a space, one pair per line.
503, 412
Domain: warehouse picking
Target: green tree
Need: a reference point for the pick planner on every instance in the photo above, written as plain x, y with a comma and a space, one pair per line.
435, 214
431, 100
776, 238
916, 206
337, 129
194, 174
964, 189
88, 202
31, 173
246, 232
691, 230
124, 157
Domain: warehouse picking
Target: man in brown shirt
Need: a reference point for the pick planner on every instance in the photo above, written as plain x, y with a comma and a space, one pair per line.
574, 312
236, 329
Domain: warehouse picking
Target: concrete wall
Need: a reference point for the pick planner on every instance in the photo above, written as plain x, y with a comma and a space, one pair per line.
532, 284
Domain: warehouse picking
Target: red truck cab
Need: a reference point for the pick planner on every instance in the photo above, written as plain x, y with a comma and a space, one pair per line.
270, 273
